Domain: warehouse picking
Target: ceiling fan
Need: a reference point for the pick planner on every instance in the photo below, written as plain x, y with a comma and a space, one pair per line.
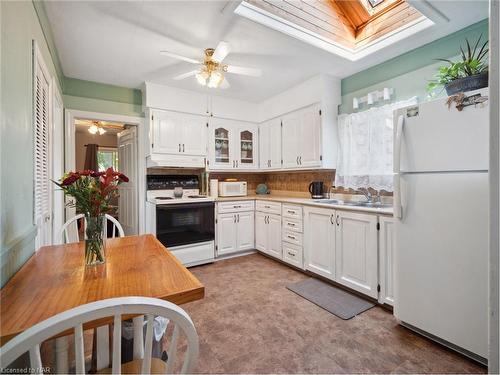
211, 72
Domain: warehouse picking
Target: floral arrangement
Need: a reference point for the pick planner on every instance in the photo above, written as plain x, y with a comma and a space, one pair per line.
92, 192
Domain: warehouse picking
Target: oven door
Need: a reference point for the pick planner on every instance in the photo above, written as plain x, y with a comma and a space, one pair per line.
183, 224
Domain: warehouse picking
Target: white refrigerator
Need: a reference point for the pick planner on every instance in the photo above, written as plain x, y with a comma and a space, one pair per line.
441, 223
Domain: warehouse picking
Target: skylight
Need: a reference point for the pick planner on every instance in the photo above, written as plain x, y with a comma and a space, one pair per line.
349, 28
374, 3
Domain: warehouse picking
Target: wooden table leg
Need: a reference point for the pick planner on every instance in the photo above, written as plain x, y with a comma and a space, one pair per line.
62, 366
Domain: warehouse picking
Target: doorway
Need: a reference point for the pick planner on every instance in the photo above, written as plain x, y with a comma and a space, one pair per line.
99, 141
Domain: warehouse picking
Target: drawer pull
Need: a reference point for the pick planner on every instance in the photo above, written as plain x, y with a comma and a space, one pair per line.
291, 237
291, 212
267, 206
236, 206
291, 254
290, 224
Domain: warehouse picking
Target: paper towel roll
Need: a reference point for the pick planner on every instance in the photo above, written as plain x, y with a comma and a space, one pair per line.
214, 188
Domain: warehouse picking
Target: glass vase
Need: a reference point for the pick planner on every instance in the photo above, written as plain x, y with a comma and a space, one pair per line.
95, 240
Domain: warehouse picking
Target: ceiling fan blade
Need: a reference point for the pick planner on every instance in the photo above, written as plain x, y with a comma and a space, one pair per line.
253, 72
222, 50
185, 75
183, 58
225, 84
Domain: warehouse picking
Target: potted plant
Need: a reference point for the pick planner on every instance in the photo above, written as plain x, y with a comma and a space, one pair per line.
92, 192
469, 73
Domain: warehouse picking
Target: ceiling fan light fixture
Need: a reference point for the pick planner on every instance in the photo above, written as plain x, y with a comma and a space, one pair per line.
202, 77
102, 131
93, 129
215, 79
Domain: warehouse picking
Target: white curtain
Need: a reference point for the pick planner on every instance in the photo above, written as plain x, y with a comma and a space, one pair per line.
365, 148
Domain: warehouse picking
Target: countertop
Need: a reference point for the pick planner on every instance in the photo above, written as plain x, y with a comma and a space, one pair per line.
308, 202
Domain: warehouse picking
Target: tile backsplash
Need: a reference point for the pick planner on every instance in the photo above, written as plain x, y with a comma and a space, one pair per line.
281, 181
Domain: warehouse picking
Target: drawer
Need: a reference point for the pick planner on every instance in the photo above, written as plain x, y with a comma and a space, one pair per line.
235, 206
268, 207
292, 225
292, 254
292, 211
292, 237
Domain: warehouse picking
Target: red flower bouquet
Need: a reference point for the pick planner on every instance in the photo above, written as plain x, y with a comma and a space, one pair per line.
92, 192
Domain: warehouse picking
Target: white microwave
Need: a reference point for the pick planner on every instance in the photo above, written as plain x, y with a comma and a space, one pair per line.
232, 188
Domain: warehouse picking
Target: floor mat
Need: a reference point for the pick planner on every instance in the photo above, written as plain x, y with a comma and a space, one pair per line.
334, 300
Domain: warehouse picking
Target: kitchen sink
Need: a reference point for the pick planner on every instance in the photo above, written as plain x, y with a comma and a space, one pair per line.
355, 203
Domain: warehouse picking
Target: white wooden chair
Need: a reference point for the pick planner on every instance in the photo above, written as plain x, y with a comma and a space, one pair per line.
74, 319
69, 231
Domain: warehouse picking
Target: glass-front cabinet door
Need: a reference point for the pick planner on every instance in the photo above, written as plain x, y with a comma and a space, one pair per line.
247, 147
233, 145
221, 145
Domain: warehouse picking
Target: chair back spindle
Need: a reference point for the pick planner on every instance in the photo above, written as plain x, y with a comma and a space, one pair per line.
115, 309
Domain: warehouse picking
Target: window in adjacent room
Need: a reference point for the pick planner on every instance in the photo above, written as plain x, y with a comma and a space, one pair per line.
107, 157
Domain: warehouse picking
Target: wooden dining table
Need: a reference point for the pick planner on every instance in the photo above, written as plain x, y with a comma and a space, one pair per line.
56, 279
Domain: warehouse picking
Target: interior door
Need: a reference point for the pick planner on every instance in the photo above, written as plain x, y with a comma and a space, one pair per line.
274, 236
356, 252
167, 132
245, 230
227, 233
319, 244
127, 164
290, 143
261, 231
309, 136
42, 153
194, 135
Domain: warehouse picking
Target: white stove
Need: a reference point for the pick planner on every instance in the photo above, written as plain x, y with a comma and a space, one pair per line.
186, 224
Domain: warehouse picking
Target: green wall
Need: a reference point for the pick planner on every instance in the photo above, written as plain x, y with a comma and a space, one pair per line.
19, 25
408, 73
99, 97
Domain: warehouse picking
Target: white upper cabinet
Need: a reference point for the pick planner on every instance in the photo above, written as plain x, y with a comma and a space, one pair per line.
232, 145
270, 144
221, 144
319, 241
356, 252
178, 133
247, 147
301, 138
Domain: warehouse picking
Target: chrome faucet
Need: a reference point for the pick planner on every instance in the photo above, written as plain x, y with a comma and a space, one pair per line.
330, 192
367, 194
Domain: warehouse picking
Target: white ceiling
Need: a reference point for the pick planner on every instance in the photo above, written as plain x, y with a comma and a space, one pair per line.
118, 43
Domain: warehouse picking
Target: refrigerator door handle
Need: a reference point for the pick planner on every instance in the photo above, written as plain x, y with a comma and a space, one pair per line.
397, 167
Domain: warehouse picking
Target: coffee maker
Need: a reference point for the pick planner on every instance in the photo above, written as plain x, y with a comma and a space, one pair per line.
316, 189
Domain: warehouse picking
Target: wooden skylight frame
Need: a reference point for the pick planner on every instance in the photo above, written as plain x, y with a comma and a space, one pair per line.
349, 28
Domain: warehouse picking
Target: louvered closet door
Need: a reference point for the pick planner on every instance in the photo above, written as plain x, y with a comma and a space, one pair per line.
42, 196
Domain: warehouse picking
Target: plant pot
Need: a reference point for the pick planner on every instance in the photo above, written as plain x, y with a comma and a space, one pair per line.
465, 84
95, 241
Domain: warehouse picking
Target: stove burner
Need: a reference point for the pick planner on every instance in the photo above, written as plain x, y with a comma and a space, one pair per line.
197, 196
164, 198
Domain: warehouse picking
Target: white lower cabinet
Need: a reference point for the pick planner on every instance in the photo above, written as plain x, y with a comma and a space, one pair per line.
356, 263
386, 260
319, 241
268, 234
235, 232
